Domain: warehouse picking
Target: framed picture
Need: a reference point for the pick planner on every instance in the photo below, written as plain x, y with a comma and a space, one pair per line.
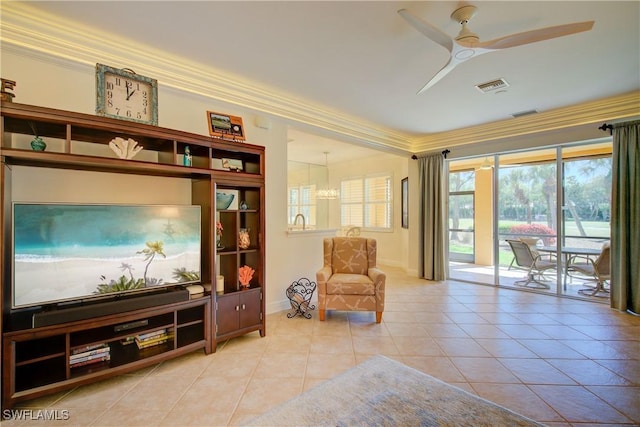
404, 187
232, 164
225, 126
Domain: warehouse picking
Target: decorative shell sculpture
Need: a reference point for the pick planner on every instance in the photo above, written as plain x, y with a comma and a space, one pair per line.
125, 149
244, 241
245, 273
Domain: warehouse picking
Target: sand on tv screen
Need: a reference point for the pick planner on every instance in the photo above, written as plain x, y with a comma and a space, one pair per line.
70, 252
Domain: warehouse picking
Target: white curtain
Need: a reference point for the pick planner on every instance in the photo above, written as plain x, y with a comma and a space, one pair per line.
432, 218
625, 218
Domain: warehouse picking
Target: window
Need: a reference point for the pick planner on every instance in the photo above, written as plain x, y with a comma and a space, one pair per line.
366, 202
302, 200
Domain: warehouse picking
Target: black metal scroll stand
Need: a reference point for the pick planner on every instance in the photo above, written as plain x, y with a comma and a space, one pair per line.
299, 294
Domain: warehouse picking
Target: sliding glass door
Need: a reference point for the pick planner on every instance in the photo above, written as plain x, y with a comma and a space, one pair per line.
556, 201
527, 214
585, 216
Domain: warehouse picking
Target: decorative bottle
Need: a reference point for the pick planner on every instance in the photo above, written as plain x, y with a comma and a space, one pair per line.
186, 160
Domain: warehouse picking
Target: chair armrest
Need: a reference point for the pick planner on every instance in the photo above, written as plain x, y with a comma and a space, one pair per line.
323, 274
576, 258
322, 277
577, 262
378, 277
537, 256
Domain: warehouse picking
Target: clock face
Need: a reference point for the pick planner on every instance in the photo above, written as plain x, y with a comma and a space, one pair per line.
127, 98
126, 95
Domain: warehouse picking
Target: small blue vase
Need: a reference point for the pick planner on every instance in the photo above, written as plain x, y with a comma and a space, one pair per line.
186, 160
37, 144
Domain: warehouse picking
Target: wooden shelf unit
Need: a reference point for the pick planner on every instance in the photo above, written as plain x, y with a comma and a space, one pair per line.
231, 257
36, 360
79, 142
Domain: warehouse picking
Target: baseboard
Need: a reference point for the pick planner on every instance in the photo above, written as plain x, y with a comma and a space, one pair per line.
391, 263
277, 306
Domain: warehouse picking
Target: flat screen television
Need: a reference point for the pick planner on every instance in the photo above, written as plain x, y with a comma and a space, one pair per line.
75, 252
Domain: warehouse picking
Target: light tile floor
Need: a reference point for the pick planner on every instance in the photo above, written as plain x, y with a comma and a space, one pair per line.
558, 361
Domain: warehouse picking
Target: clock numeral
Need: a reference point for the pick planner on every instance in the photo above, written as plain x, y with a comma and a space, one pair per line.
144, 102
117, 81
128, 113
110, 102
109, 85
139, 115
117, 110
109, 94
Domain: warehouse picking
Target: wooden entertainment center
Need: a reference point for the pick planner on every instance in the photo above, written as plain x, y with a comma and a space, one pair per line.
39, 360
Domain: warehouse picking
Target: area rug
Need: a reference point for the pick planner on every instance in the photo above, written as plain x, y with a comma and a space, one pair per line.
383, 392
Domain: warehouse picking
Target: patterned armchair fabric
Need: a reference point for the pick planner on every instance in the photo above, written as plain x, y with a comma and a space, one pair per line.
349, 279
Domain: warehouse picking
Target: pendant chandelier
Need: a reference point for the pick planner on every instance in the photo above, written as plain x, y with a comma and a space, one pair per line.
327, 193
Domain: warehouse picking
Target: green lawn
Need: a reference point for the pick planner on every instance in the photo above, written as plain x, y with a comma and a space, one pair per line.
591, 229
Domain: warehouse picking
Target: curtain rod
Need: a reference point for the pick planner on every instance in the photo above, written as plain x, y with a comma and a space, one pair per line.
606, 127
444, 153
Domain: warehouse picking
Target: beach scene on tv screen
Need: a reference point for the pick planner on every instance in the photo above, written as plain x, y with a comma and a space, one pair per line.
65, 252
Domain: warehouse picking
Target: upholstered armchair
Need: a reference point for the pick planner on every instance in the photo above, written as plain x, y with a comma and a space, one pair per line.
349, 279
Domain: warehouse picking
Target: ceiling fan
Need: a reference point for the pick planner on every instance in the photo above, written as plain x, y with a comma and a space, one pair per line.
467, 44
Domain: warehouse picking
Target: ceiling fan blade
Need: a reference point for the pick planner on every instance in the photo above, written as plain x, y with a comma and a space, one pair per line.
533, 36
459, 54
440, 75
427, 29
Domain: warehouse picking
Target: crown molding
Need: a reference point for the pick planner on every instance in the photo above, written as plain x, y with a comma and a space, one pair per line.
32, 32
612, 108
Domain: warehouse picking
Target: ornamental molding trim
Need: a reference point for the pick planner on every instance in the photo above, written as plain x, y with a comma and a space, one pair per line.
594, 112
31, 32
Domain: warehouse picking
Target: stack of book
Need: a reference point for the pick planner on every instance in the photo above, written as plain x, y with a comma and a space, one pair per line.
150, 339
89, 354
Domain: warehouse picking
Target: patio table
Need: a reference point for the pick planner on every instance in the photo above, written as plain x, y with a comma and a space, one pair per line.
568, 252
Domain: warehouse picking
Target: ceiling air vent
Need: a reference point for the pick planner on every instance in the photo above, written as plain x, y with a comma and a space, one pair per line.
492, 85
524, 113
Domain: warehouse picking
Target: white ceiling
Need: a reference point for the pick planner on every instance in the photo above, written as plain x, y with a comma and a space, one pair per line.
363, 60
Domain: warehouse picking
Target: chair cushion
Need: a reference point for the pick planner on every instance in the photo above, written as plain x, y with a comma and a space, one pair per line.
583, 267
349, 255
350, 284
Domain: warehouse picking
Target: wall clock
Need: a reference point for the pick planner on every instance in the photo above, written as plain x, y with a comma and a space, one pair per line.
123, 94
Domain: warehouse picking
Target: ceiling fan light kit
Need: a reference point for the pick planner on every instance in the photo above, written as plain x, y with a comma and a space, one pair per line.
467, 44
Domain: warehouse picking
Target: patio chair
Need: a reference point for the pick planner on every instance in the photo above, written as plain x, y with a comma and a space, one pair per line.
532, 242
598, 270
533, 262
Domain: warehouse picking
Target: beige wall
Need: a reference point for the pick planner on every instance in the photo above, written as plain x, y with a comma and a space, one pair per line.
57, 185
